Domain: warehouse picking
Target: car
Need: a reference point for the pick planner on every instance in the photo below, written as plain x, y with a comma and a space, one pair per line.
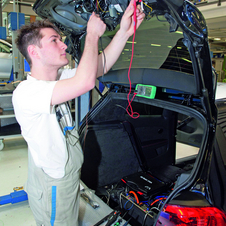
154, 143
6, 62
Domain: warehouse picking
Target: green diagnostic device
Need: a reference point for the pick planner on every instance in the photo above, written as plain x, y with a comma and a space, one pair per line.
146, 91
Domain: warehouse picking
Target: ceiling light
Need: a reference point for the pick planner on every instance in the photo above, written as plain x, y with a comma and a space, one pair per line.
186, 60
155, 45
217, 39
131, 42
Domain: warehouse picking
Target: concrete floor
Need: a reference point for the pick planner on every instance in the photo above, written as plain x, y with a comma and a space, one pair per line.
13, 173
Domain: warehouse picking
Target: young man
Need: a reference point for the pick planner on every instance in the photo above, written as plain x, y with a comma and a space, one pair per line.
54, 153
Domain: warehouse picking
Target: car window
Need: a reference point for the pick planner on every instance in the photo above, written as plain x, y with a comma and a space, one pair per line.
154, 47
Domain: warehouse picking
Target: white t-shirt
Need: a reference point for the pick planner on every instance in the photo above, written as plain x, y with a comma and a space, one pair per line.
39, 125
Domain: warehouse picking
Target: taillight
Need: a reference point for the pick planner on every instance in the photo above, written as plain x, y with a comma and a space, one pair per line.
175, 215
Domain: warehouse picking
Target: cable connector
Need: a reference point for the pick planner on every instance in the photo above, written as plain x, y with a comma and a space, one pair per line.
142, 5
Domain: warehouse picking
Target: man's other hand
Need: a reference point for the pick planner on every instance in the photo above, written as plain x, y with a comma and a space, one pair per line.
127, 22
95, 25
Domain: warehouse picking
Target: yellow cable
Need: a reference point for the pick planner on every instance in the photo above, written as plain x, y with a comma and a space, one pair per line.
100, 7
148, 6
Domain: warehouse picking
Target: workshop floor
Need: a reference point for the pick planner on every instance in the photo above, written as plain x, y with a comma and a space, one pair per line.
13, 173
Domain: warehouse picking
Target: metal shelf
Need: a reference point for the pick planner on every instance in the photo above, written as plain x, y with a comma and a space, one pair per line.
11, 130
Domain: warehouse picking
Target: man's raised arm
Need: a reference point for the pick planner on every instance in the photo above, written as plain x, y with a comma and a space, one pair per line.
85, 77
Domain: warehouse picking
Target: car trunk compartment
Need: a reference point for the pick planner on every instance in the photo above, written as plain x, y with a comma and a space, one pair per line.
115, 149
118, 149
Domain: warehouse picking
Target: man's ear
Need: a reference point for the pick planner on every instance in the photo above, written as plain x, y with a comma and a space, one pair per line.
32, 51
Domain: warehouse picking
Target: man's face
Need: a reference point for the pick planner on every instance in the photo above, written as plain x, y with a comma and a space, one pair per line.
52, 52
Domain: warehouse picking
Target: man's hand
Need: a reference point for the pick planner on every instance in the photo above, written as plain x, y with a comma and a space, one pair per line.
127, 22
114, 49
95, 25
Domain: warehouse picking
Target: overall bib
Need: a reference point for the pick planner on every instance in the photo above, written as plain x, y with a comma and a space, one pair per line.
55, 202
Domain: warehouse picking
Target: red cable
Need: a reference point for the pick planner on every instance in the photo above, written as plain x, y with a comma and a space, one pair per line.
135, 195
157, 201
131, 113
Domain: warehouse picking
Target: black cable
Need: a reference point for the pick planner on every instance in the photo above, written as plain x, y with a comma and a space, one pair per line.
94, 6
160, 20
127, 221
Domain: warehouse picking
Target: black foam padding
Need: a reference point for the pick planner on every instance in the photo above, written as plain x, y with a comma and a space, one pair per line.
108, 156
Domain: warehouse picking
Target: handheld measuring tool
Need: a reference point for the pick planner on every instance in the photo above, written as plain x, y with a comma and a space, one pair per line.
146, 91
